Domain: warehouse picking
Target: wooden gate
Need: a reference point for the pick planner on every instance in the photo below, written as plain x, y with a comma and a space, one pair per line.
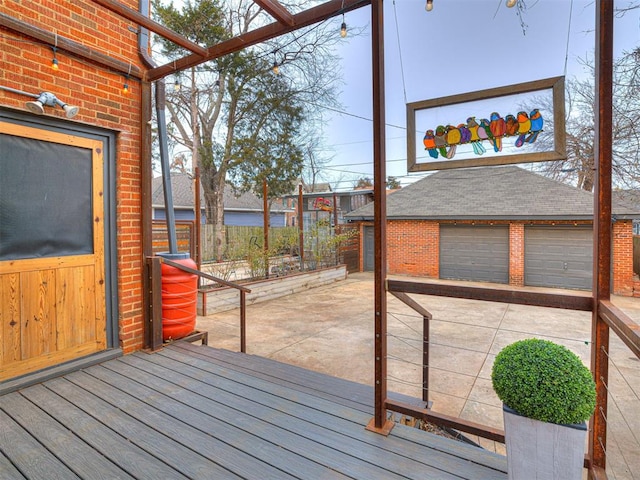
52, 266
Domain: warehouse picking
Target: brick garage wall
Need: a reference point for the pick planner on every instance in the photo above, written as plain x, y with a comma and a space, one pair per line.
622, 273
516, 254
26, 66
413, 249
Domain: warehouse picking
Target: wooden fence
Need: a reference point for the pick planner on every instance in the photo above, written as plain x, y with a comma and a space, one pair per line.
185, 236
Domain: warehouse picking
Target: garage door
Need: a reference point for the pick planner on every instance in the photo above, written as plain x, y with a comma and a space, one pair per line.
476, 253
558, 257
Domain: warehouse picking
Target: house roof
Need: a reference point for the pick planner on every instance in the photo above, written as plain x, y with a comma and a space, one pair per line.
496, 193
182, 186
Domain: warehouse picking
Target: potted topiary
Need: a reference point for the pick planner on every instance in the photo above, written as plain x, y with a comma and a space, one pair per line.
547, 395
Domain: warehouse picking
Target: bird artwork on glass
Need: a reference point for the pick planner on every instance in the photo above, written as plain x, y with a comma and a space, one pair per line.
445, 140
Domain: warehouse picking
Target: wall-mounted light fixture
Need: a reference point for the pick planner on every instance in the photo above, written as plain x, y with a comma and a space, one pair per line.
44, 99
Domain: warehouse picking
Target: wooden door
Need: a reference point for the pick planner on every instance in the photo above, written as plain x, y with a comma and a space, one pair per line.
52, 266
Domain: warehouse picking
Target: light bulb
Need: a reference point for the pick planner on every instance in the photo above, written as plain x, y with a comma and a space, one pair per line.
429, 6
276, 68
176, 86
54, 64
125, 89
511, 3
343, 30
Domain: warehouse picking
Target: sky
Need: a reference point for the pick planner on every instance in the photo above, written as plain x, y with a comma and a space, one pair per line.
460, 46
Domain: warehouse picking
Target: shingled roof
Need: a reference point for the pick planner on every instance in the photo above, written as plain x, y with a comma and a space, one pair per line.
490, 193
182, 186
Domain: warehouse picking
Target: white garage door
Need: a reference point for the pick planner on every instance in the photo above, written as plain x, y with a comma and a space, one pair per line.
475, 253
558, 257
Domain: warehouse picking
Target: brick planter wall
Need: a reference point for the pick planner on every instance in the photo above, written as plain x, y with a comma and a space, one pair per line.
222, 299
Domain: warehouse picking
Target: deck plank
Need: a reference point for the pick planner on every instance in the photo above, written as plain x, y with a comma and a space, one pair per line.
162, 447
338, 390
74, 453
191, 411
27, 454
336, 412
240, 435
100, 436
262, 421
305, 408
204, 444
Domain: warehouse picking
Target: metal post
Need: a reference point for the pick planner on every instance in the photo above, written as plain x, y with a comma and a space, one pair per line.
243, 321
602, 227
301, 227
425, 359
198, 217
265, 222
379, 423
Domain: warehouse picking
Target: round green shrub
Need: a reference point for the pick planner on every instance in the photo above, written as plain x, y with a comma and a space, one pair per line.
544, 381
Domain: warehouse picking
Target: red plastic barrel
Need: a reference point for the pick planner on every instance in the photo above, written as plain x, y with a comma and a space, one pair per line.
179, 300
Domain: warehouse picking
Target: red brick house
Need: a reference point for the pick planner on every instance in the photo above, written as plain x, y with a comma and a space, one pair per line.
497, 224
72, 170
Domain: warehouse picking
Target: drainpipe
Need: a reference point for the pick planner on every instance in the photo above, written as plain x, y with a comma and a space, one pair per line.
143, 42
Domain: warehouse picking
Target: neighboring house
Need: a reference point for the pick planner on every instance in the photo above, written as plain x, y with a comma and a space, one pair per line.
245, 209
497, 224
320, 205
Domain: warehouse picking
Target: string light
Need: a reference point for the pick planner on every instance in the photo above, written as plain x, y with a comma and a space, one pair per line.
276, 67
54, 60
125, 87
343, 28
176, 85
429, 6
511, 3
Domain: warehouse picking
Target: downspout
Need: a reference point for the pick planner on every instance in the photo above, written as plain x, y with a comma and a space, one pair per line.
143, 42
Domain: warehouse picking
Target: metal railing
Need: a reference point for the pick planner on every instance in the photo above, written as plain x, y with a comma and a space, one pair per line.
609, 319
153, 334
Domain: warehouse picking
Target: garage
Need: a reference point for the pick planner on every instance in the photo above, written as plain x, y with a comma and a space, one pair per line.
560, 257
475, 253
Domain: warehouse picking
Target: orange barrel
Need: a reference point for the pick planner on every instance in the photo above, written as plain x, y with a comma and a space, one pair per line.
179, 298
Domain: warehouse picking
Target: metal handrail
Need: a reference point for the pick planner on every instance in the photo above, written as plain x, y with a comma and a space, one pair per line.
615, 319
154, 330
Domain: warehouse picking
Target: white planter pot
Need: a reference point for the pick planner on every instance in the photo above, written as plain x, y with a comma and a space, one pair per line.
543, 451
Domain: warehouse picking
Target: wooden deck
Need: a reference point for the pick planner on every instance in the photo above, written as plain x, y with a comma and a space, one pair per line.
191, 411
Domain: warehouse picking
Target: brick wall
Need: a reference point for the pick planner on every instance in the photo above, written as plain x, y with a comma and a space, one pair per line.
413, 249
622, 260
26, 66
516, 254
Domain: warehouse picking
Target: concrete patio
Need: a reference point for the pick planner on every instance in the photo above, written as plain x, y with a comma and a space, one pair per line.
329, 329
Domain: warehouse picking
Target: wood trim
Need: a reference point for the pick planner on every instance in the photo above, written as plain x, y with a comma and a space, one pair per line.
31, 264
